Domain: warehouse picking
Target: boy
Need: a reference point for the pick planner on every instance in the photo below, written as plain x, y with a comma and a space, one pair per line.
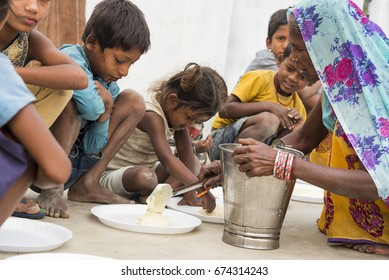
22, 43
115, 37
264, 105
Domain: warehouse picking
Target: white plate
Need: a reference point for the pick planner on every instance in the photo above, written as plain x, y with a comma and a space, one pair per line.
56, 256
195, 211
306, 192
24, 235
125, 217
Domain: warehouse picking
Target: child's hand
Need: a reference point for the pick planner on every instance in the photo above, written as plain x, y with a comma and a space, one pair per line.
295, 116
190, 198
108, 102
203, 146
208, 202
283, 114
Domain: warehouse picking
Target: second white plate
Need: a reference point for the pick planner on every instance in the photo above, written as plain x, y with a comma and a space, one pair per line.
125, 217
24, 235
195, 211
306, 192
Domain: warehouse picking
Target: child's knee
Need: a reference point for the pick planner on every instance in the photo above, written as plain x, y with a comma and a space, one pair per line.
134, 102
147, 179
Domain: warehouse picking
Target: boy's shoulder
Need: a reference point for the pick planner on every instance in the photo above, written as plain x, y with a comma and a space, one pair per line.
259, 74
75, 49
77, 53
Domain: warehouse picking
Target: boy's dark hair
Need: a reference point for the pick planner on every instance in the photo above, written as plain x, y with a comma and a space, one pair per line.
287, 51
4, 7
118, 24
277, 19
199, 88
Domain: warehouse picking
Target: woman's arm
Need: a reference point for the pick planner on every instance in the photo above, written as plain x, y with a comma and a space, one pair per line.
53, 165
58, 70
257, 159
310, 134
350, 183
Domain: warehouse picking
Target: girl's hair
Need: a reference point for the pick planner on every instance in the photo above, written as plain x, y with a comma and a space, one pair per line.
277, 19
4, 7
118, 24
199, 88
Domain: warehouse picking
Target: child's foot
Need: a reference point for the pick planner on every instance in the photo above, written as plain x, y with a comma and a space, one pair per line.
85, 190
53, 201
369, 248
28, 208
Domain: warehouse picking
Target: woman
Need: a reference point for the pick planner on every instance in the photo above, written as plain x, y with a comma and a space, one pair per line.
334, 41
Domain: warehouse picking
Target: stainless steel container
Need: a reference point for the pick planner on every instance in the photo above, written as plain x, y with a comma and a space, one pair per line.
254, 208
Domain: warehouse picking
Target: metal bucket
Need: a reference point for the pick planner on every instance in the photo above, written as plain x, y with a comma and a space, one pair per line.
254, 208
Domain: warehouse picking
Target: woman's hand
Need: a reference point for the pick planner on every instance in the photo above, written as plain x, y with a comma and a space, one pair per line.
254, 158
211, 174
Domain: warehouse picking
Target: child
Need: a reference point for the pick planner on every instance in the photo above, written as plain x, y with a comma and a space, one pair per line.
270, 58
115, 37
28, 151
276, 42
264, 105
22, 44
190, 96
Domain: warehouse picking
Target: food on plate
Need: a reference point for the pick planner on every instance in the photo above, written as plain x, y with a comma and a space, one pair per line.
156, 203
217, 212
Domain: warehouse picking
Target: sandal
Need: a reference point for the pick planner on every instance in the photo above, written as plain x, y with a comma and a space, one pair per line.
38, 215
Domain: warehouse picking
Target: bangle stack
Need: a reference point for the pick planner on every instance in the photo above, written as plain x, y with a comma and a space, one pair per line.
283, 166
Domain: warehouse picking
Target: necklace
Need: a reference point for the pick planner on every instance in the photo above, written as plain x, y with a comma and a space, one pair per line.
277, 86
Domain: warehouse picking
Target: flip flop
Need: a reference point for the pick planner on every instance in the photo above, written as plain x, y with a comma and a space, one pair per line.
39, 215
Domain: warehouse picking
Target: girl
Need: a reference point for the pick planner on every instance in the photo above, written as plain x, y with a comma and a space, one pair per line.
28, 151
22, 43
146, 159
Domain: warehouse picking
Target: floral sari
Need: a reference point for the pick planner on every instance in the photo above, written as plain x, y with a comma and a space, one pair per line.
351, 55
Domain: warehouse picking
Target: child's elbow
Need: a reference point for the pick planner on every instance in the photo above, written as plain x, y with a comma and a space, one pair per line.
81, 80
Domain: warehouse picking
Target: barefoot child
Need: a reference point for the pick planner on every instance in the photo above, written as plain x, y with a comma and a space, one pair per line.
188, 97
28, 151
115, 37
264, 105
22, 43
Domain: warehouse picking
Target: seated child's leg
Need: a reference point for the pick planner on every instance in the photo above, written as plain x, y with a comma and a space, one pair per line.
13, 160
65, 129
130, 181
260, 126
128, 111
14, 194
50, 102
223, 135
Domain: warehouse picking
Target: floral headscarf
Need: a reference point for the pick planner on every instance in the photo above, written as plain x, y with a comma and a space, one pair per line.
351, 57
